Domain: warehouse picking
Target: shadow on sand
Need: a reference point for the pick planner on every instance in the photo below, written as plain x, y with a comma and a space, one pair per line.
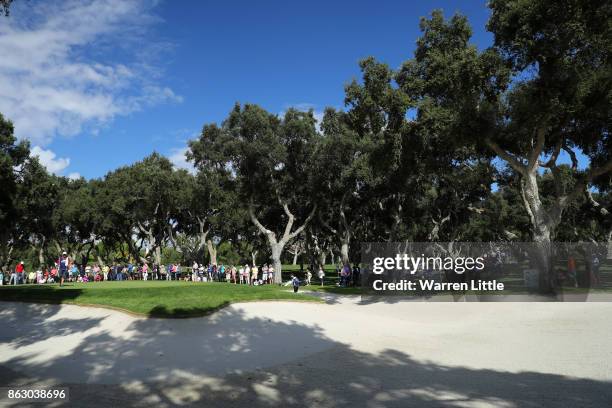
229, 359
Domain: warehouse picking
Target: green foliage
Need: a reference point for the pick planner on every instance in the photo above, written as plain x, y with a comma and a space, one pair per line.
13, 155
5, 7
263, 158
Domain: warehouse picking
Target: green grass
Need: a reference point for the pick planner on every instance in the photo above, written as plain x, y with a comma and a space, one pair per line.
151, 298
333, 288
330, 281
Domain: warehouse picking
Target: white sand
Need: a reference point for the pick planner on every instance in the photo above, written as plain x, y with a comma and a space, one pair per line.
306, 354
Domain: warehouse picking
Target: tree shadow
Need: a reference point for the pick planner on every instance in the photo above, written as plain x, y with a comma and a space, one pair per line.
39, 293
184, 313
32, 323
232, 358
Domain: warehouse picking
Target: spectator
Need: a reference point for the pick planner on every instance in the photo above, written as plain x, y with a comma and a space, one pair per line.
19, 269
271, 274
356, 275
254, 273
63, 268
295, 282
264, 273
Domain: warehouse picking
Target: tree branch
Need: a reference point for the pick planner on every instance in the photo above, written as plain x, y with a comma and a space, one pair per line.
527, 207
290, 220
203, 234
434, 233
301, 228
511, 159
583, 182
601, 209
171, 235
259, 225
552, 162
572, 156
532, 161
347, 230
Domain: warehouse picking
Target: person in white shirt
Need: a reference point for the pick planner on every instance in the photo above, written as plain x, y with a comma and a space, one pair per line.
247, 274
264, 273
194, 272
271, 274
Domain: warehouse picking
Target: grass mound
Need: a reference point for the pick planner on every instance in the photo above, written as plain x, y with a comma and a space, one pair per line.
150, 298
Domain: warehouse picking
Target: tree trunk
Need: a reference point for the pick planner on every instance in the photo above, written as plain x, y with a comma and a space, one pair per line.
41, 254
295, 257
277, 246
41, 257
212, 252
6, 261
202, 233
254, 257
85, 255
277, 250
310, 251
322, 259
542, 228
150, 242
542, 222
133, 250
344, 252
158, 255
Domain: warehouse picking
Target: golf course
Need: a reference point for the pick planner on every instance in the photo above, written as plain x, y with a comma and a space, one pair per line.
284, 204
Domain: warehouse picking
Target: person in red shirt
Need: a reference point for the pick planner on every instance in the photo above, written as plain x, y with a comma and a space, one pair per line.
20, 273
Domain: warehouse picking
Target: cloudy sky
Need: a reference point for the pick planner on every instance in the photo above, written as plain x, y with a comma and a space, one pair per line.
98, 84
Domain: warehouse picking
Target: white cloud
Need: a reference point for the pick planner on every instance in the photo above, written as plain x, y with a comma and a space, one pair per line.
74, 176
50, 160
179, 160
56, 76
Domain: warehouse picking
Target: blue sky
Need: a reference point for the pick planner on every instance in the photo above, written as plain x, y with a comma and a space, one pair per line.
99, 84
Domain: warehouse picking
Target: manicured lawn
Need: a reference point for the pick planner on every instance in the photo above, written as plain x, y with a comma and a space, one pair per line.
330, 280
333, 288
151, 298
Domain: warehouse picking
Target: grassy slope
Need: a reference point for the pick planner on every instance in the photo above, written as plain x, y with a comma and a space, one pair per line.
150, 298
